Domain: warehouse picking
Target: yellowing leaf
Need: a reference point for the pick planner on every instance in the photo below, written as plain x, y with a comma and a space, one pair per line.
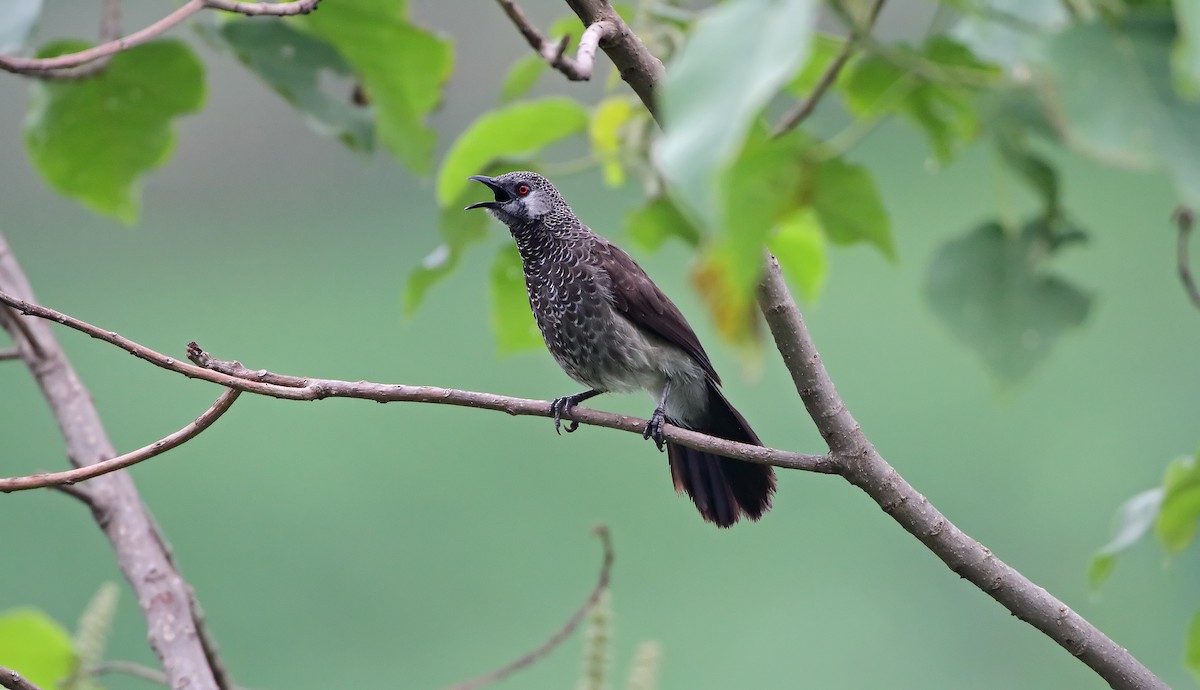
604, 131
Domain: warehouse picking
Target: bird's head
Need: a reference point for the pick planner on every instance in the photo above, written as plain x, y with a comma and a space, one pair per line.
521, 197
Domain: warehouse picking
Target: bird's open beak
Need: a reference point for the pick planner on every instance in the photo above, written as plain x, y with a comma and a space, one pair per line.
501, 195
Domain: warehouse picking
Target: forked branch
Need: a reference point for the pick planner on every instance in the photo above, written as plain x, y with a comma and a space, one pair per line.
577, 69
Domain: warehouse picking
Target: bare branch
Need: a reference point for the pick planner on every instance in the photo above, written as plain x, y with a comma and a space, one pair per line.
804, 108
9, 353
637, 65
141, 549
46, 67
79, 474
1184, 218
262, 382
579, 69
15, 681
563, 633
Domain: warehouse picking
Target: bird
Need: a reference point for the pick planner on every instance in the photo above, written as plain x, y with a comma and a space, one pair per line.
612, 329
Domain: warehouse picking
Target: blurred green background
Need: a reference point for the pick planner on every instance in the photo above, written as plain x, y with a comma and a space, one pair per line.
349, 544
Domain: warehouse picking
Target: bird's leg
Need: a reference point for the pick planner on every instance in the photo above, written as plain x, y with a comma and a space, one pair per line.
654, 427
564, 404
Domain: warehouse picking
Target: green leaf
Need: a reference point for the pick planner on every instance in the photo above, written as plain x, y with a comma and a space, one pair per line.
402, 66
848, 206
944, 110
93, 139
1134, 519
1006, 32
1185, 55
991, 290
1191, 655
512, 320
459, 229
1111, 89
521, 77
292, 63
739, 55
1176, 523
656, 222
16, 22
825, 50
520, 129
799, 244
1034, 169
36, 646
604, 131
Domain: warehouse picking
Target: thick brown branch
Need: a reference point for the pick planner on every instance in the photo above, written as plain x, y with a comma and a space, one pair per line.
1184, 218
262, 382
22, 65
141, 549
562, 633
578, 69
79, 474
15, 681
862, 465
805, 107
637, 65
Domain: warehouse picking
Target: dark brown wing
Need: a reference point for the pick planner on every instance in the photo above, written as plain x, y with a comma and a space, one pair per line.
636, 296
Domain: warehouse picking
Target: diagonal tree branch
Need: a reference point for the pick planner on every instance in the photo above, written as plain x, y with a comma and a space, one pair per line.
578, 69
562, 633
79, 474
47, 66
15, 681
1184, 217
637, 65
261, 382
141, 549
805, 107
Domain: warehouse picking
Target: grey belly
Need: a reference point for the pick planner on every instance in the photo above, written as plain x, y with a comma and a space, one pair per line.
609, 353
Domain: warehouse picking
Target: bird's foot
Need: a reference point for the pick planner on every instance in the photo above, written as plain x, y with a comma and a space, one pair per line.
654, 429
562, 406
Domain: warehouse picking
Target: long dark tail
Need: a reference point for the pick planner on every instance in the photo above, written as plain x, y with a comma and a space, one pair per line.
723, 489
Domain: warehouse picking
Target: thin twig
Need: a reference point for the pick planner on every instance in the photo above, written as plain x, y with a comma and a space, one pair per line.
261, 382
47, 66
578, 69
1184, 218
804, 108
15, 681
9, 353
563, 633
80, 474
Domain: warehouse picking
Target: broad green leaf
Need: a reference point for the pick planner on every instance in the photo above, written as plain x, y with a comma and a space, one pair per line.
1006, 32
799, 244
1191, 655
738, 57
17, 19
653, 224
36, 646
991, 289
1111, 89
402, 67
1185, 56
521, 77
520, 129
93, 139
943, 109
824, 51
1176, 523
604, 131
1134, 519
459, 229
292, 63
512, 320
848, 206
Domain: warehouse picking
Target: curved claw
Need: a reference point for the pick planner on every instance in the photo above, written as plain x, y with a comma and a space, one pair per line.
572, 427
654, 430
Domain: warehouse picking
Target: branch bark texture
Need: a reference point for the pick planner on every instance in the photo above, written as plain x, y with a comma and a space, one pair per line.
142, 552
577, 69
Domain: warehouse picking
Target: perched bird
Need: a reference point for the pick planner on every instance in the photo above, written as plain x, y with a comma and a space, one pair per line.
612, 329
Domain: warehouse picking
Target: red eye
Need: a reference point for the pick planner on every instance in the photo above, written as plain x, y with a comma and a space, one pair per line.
523, 190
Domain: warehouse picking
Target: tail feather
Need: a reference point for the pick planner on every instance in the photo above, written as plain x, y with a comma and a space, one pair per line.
722, 488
